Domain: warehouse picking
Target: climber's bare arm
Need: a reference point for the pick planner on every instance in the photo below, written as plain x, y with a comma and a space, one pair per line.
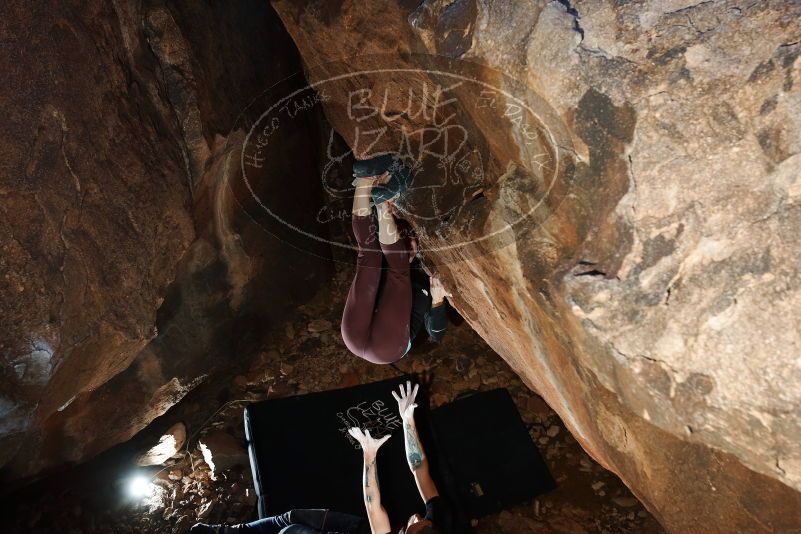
376, 513
438, 292
415, 456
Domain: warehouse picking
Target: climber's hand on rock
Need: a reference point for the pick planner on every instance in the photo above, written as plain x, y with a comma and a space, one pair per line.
438, 291
406, 404
369, 444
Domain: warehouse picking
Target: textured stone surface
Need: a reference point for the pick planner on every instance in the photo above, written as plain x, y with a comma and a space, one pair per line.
95, 211
222, 451
651, 295
131, 267
169, 444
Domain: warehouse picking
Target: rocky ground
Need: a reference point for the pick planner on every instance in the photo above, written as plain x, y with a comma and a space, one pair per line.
307, 355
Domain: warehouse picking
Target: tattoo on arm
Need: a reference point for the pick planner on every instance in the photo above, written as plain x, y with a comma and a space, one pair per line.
414, 452
376, 514
370, 482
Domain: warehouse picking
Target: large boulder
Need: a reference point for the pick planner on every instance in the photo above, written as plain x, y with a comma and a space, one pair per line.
95, 212
133, 265
621, 223
169, 444
221, 451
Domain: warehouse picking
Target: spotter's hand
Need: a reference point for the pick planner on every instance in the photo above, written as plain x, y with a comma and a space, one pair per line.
369, 444
406, 404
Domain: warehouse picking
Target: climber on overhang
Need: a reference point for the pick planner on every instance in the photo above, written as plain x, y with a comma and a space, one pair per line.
382, 317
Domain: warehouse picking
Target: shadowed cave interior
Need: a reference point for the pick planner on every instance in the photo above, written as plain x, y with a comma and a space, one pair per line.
177, 246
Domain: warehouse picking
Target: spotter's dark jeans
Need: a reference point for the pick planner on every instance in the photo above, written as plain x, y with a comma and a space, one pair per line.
305, 522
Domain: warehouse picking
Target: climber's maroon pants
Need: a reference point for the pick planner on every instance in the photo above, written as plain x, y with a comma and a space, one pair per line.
375, 324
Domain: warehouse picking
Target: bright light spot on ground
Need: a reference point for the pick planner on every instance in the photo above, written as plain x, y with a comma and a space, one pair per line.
140, 487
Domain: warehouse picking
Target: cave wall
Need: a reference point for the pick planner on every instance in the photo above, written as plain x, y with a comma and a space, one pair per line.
134, 266
651, 292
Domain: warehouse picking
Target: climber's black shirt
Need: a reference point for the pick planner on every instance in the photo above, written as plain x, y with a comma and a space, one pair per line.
439, 513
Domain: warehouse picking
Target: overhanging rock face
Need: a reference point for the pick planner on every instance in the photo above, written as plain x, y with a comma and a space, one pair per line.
628, 241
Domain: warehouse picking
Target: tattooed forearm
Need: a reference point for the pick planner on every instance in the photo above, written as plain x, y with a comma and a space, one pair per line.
370, 481
414, 452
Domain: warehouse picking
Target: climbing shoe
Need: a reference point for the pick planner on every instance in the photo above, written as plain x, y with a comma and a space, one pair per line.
399, 176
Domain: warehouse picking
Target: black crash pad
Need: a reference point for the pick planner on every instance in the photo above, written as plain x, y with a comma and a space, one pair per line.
481, 454
487, 458
302, 456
